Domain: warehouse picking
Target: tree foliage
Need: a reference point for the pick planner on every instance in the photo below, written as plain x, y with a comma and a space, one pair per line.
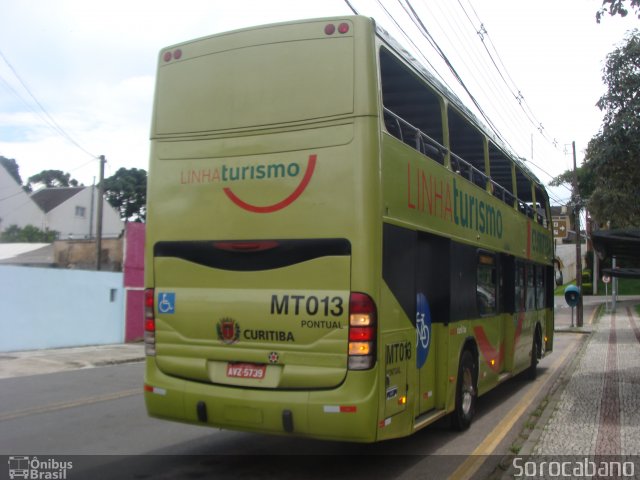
617, 7
586, 180
613, 155
12, 167
28, 234
126, 190
50, 179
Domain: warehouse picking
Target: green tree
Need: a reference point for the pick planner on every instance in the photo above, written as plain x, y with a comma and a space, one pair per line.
617, 7
12, 167
28, 234
586, 180
126, 190
613, 155
51, 178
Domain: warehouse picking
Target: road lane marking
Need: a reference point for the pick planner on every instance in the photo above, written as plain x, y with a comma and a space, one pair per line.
71, 404
493, 439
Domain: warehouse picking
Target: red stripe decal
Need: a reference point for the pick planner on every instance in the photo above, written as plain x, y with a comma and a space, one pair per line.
488, 351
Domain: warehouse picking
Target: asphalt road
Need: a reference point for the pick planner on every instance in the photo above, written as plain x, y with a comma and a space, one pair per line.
99, 413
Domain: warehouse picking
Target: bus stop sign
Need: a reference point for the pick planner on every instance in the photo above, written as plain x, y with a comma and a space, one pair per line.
572, 295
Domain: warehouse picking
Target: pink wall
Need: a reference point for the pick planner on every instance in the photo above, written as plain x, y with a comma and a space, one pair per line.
134, 280
134, 255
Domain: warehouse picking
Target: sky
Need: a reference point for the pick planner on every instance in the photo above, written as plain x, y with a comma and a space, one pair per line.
77, 76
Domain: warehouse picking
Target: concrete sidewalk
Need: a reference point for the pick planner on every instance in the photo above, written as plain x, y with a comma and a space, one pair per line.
595, 412
36, 362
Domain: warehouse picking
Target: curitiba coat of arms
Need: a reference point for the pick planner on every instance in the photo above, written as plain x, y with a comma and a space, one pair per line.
228, 331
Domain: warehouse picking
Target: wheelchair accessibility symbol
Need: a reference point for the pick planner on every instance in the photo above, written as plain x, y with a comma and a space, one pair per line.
167, 302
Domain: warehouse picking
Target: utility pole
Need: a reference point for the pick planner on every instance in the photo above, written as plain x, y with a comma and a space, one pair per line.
93, 200
99, 219
576, 212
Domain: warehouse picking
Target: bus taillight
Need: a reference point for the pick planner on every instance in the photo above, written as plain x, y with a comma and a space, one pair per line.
362, 332
330, 28
149, 323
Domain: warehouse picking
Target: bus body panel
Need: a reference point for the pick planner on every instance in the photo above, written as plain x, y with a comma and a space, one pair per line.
223, 319
348, 412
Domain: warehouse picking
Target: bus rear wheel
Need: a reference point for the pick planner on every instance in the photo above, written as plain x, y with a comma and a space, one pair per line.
536, 353
466, 392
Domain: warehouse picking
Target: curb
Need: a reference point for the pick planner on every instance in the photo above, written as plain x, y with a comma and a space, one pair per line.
120, 361
547, 406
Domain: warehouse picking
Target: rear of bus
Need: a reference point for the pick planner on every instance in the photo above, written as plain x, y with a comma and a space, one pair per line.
263, 232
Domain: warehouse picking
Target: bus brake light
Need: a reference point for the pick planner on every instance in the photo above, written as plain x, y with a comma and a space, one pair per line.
149, 322
242, 246
362, 332
359, 334
330, 28
169, 55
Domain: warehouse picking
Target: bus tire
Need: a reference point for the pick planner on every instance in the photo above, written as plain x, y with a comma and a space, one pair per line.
466, 392
536, 353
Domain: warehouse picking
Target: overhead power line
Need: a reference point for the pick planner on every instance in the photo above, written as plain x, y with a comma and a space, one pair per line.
40, 111
503, 73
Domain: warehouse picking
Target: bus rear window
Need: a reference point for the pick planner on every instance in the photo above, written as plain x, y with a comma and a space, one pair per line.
255, 86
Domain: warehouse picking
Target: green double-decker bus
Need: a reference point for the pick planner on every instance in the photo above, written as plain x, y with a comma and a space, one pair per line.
336, 247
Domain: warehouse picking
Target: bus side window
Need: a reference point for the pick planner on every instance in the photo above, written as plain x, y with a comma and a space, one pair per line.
467, 148
486, 284
541, 207
415, 107
525, 195
531, 291
520, 287
500, 168
540, 288
392, 124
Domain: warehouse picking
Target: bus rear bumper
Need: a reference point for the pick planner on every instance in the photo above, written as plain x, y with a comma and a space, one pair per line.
323, 414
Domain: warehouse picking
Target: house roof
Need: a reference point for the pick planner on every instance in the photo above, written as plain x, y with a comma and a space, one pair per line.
32, 254
49, 198
10, 250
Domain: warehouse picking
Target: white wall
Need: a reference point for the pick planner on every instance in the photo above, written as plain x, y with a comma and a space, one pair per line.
567, 255
63, 218
50, 308
16, 208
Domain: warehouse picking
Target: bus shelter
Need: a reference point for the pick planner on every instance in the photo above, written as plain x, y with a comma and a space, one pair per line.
623, 247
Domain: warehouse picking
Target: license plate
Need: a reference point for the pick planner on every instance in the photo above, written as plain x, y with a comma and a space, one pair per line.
246, 370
